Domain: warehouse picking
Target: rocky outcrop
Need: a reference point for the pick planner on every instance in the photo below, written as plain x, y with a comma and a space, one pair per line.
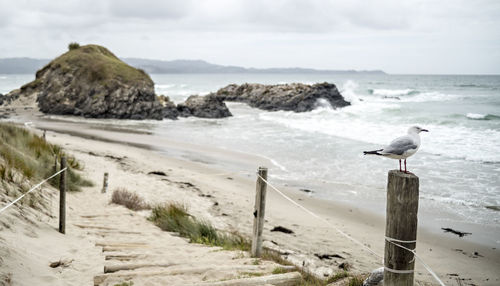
208, 106
8, 98
92, 82
290, 97
169, 108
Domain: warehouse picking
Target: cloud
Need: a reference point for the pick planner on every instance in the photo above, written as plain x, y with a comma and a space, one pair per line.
149, 9
399, 36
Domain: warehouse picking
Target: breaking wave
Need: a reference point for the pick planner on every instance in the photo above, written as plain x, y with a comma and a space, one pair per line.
478, 116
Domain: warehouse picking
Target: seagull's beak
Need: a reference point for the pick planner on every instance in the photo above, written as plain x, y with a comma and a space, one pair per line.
424, 130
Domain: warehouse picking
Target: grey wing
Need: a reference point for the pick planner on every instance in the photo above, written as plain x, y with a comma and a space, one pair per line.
399, 145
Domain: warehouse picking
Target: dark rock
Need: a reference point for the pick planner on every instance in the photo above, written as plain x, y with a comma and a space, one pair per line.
495, 208
376, 278
208, 106
169, 108
289, 97
282, 229
345, 266
306, 191
92, 82
6, 99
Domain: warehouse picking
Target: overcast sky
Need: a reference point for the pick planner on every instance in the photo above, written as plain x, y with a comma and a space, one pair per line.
398, 36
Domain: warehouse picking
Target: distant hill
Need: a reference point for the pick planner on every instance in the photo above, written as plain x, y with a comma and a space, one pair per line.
21, 65
30, 66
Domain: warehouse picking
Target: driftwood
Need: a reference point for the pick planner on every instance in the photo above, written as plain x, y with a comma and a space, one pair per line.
62, 263
327, 256
459, 233
159, 173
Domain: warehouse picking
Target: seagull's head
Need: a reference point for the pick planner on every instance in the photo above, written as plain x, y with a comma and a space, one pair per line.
416, 130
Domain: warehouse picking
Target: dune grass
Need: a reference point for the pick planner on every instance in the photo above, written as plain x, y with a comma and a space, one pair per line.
174, 217
25, 156
128, 199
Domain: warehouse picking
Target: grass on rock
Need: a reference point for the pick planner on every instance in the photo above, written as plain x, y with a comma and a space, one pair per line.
97, 64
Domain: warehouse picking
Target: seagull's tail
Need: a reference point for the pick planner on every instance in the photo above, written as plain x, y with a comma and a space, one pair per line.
375, 152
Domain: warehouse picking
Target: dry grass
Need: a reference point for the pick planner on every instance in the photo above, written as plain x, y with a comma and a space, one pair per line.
25, 156
175, 217
129, 200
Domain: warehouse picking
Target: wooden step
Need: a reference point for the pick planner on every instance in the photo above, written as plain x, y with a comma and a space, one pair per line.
286, 279
180, 270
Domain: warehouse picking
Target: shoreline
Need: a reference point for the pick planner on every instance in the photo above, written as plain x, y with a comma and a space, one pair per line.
310, 235
229, 160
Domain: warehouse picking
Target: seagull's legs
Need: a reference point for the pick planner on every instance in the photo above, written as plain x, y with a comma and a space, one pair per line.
405, 167
400, 166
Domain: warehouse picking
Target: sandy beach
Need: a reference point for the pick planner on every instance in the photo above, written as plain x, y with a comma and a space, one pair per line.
224, 198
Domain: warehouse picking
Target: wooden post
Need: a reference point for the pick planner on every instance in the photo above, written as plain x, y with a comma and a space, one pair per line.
62, 197
105, 183
54, 180
259, 212
401, 225
43, 136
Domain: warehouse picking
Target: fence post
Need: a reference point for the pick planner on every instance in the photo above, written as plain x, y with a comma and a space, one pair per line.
54, 180
62, 197
401, 225
105, 183
259, 212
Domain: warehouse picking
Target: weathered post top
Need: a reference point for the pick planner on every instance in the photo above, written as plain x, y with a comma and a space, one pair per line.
401, 227
402, 174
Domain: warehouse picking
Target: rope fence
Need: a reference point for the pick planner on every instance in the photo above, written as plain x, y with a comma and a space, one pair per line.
31, 190
357, 242
393, 241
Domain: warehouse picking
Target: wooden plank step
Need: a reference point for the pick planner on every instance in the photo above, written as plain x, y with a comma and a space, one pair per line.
286, 279
118, 244
181, 270
94, 226
115, 268
123, 247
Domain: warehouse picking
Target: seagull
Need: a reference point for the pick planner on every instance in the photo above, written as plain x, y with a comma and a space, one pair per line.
401, 147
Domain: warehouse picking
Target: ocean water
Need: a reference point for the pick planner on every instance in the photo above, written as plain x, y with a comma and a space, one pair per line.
458, 163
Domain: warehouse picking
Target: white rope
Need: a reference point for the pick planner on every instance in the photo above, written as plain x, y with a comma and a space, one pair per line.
400, 241
421, 261
322, 219
390, 240
399, 271
32, 189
